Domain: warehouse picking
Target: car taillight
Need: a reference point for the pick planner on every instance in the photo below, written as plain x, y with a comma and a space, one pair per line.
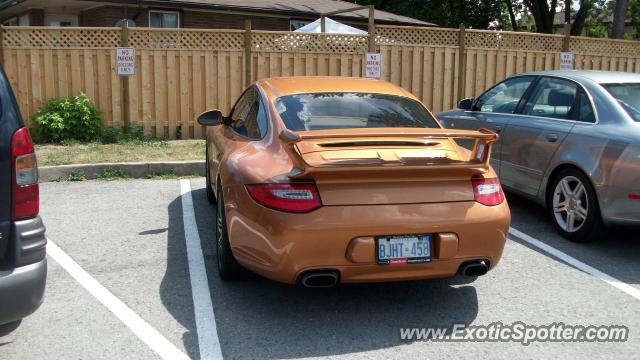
25, 199
295, 197
487, 191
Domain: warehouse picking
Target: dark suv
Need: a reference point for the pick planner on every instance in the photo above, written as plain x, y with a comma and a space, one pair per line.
23, 265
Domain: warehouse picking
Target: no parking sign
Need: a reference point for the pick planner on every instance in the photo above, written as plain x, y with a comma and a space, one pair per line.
373, 65
126, 61
566, 61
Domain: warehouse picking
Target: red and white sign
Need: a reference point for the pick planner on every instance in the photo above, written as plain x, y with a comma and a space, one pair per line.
373, 65
126, 61
566, 61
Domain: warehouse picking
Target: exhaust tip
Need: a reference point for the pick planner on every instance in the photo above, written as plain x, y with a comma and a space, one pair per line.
319, 279
476, 268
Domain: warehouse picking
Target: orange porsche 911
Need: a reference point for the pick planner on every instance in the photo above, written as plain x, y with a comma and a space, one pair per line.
327, 180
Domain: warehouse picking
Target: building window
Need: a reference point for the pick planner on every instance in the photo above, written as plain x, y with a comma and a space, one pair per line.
164, 19
11, 21
60, 20
60, 23
24, 20
297, 24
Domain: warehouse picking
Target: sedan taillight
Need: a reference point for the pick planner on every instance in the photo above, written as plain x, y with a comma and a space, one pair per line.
487, 191
25, 199
294, 197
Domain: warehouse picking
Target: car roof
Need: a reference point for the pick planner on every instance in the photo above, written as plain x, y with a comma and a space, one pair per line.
281, 86
598, 76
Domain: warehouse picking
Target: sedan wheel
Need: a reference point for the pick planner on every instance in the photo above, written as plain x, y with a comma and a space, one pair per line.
574, 208
570, 204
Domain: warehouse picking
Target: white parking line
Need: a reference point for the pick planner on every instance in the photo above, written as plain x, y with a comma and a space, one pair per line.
150, 336
203, 308
576, 263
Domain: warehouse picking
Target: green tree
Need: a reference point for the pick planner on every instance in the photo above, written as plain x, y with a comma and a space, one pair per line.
478, 14
544, 13
619, 18
634, 15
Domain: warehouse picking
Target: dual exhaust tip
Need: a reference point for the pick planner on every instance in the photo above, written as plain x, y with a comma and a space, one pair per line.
331, 278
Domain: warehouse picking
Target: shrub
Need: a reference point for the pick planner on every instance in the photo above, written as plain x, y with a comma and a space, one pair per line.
73, 118
112, 135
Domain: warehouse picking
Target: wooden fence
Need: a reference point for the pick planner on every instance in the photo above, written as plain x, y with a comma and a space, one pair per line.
180, 73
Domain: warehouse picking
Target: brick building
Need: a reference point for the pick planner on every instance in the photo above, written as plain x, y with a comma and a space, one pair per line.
281, 15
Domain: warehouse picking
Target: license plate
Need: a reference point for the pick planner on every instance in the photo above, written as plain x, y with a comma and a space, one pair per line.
403, 249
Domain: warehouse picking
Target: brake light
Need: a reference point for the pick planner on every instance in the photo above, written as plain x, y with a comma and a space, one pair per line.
25, 199
294, 197
487, 191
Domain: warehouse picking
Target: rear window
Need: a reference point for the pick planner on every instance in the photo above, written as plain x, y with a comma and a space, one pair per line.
628, 95
319, 111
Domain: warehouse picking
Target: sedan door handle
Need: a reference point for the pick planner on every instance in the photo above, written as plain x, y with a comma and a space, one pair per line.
497, 129
552, 138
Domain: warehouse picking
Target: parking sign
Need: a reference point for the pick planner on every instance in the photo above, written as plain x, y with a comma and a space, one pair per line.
566, 61
373, 65
126, 61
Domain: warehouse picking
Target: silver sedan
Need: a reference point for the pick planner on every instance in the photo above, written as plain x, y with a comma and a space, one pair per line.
569, 140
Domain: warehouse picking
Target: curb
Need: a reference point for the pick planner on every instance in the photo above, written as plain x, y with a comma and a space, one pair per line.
137, 170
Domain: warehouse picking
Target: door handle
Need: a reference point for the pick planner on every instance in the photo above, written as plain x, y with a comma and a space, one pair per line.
552, 138
497, 128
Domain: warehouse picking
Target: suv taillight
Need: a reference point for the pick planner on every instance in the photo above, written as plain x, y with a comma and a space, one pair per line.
294, 197
487, 191
25, 199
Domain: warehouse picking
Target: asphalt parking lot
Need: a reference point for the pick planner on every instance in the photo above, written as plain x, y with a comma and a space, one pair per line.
129, 236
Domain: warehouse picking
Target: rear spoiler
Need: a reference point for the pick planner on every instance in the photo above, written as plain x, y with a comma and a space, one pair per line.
478, 159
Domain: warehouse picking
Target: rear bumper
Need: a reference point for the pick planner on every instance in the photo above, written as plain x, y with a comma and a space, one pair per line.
22, 291
281, 246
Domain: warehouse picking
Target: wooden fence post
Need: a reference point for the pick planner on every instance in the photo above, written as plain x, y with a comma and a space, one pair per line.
566, 42
124, 42
248, 63
372, 29
462, 63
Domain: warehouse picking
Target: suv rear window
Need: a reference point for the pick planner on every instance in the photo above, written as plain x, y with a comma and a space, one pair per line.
319, 111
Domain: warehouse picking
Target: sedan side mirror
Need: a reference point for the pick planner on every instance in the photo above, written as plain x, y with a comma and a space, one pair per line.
465, 104
211, 118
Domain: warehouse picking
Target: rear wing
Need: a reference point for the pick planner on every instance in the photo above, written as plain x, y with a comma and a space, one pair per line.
478, 161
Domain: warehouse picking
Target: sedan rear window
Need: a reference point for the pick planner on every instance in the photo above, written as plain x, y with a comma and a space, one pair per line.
628, 95
319, 111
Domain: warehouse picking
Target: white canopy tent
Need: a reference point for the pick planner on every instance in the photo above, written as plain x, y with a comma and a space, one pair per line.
330, 27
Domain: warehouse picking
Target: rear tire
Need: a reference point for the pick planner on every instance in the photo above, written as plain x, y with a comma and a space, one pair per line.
228, 266
211, 196
573, 207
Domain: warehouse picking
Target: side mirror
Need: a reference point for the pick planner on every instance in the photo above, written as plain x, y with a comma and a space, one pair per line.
465, 104
211, 118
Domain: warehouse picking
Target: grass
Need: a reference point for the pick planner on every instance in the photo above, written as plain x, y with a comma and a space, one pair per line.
163, 175
130, 151
77, 175
113, 174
